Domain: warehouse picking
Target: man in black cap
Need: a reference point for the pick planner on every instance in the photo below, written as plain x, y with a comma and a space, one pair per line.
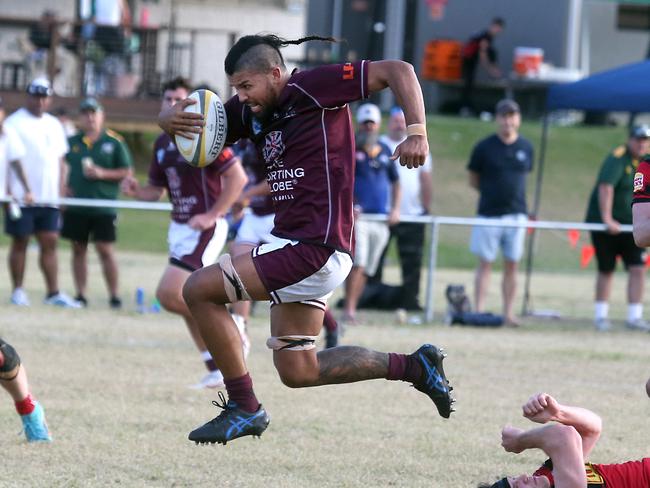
498, 169
98, 160
611, 204
45, 147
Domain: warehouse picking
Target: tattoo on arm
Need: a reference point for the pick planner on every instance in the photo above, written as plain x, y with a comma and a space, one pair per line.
347, 364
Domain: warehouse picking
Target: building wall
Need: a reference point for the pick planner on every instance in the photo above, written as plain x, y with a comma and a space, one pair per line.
608, 45
215, 21
529, 23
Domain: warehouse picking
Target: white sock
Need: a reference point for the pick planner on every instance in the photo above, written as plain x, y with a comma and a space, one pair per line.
601, 310
634, 312
206, 356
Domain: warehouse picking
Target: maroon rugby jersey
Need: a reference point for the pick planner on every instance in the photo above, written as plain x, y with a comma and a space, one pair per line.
191, 190
308, 149
642, 182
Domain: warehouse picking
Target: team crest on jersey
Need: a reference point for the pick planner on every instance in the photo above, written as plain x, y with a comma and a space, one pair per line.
521, 155
638, 182
273, 146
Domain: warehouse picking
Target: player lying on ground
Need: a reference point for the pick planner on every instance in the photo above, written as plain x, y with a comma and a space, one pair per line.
567, 441
300, 124
13, 378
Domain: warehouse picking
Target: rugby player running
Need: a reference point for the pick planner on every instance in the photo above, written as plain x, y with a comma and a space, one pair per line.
301, 126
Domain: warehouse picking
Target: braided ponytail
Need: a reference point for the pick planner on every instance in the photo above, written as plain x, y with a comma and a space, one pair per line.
262, 52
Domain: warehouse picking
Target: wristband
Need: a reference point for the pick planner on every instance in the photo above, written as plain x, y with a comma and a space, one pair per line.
416, 130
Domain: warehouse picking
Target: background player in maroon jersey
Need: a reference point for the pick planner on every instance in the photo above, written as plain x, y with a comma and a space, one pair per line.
300, 124
197, 233
567, 441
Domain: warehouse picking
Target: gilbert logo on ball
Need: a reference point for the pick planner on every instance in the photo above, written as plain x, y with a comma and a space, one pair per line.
203, 149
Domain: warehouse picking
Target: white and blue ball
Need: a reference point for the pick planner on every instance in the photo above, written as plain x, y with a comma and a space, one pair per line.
203, 149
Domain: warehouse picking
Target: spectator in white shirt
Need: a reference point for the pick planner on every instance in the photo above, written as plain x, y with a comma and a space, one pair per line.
43, 162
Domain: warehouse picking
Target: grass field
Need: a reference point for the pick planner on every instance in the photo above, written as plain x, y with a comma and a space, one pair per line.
114, 386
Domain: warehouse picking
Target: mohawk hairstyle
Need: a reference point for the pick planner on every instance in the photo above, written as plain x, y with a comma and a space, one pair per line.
261, 52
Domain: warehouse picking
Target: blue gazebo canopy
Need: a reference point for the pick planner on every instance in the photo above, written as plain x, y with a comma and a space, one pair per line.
625, 89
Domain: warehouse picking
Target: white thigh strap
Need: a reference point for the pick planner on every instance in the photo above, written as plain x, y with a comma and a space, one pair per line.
235, 289
292, 343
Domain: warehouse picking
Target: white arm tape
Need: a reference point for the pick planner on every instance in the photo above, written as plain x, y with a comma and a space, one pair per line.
416, 130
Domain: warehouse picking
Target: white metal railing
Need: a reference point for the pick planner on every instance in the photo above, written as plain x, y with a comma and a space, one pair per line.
434, 221
437, 221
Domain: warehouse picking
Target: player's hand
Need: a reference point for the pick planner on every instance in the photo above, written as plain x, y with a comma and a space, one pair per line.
28, 198
613, 227
541, 408
237, 209
201, 222
175, 121
129, 186
510, 439
393, 217
412, 152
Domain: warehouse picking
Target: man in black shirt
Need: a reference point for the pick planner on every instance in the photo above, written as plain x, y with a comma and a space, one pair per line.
479, 49
498, 169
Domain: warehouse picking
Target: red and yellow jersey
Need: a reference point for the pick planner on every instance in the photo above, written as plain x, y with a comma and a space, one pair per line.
632, 474
642, 182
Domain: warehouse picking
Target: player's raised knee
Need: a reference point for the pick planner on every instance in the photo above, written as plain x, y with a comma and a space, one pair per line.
192, 292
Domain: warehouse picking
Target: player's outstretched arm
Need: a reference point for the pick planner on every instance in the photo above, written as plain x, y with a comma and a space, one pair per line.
400, 77
148, 193
542, 408
233, 181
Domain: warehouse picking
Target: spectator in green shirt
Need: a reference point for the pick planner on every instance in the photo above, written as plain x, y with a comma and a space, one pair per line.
98, 160
611, 204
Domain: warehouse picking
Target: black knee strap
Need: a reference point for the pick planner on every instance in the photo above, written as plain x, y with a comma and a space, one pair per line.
10, 363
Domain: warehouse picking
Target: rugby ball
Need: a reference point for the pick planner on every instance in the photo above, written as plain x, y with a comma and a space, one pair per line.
202, 149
